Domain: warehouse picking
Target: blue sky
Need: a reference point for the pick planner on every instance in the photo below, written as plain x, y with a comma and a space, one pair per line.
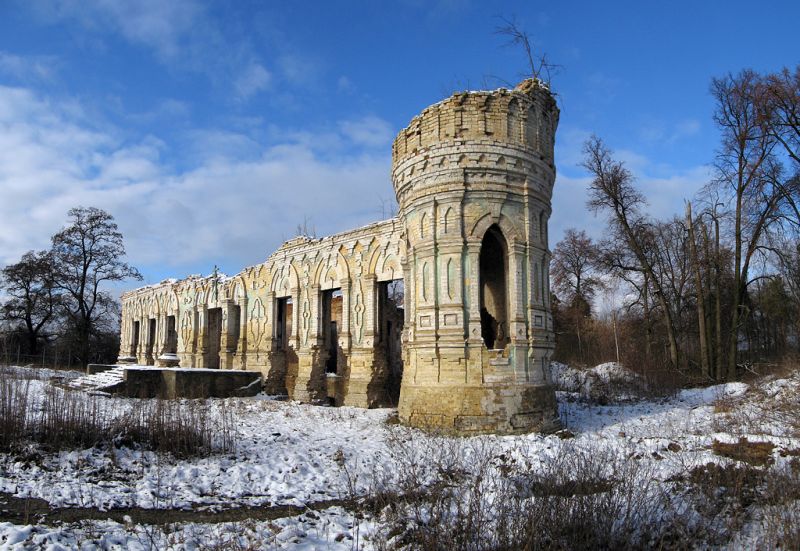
211, 129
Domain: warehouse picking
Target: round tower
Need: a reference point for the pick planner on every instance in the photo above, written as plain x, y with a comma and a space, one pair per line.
474, 176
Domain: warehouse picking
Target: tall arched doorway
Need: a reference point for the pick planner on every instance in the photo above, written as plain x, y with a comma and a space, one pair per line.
494, 295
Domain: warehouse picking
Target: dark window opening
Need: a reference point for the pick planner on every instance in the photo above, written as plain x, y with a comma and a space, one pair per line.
331, 322
172, 336
135, 337
493, 290
214, 337
283, 326
391, 312
235, 326
151, 338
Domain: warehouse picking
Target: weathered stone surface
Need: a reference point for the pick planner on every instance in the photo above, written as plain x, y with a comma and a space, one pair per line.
473, 176
195, 383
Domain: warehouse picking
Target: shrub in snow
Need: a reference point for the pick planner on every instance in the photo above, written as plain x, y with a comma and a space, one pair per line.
602, 384
470, 494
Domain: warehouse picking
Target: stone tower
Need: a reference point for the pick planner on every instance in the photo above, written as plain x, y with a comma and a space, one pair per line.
474, 176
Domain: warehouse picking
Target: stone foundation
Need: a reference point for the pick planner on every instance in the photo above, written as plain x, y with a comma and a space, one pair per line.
506, 409
189, 383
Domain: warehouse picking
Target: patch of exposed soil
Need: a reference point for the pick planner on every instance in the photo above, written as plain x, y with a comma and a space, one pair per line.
20, 510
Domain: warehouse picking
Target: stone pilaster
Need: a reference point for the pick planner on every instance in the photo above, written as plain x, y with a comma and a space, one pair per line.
240, 357
310, 385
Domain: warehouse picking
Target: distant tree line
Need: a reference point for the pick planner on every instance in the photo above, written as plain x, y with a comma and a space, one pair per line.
56, 302
706, 294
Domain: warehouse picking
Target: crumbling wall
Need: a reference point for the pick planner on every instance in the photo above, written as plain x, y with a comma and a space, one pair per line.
355, 262
475, 164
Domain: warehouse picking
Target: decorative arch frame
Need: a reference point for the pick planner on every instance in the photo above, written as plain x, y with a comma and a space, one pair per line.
332, 271
284, 279
509, 229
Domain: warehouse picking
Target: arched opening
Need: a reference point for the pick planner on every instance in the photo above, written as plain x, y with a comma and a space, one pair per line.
493, 291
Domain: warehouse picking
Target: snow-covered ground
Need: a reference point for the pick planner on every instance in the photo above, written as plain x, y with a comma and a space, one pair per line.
289, 454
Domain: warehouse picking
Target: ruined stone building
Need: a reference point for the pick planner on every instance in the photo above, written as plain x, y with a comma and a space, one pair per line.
443, 310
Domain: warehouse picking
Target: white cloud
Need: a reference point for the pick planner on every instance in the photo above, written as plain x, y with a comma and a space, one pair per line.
164, 109
233, 209
253, 79
369, 131
298, 69
345, 85
665, 198
153, 23
240, 198
655, 131
604, 86
180, 33
665, 187
27, 67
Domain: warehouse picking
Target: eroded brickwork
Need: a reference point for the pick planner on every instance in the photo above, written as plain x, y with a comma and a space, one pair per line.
473, 176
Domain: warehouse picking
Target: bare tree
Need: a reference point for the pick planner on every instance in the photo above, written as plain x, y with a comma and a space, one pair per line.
751, 178
32, 300
790, 271
306, 229
87, 254
705, 357
574, 278
572, 266
780, 103
612, 192
388, 207
539, 67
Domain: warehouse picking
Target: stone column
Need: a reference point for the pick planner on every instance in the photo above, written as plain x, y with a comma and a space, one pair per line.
367, 370
201, 357
310, 383
345, 336
294, 341
493, 173
127, 349
228, 341
240, 360
263, 351
517, 295
141, 345
150, 343
186, 326
473, 283
162, 339
370, 309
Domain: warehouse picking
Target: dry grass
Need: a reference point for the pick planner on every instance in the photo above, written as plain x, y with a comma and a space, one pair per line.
758, 454
62, 419
467, 494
